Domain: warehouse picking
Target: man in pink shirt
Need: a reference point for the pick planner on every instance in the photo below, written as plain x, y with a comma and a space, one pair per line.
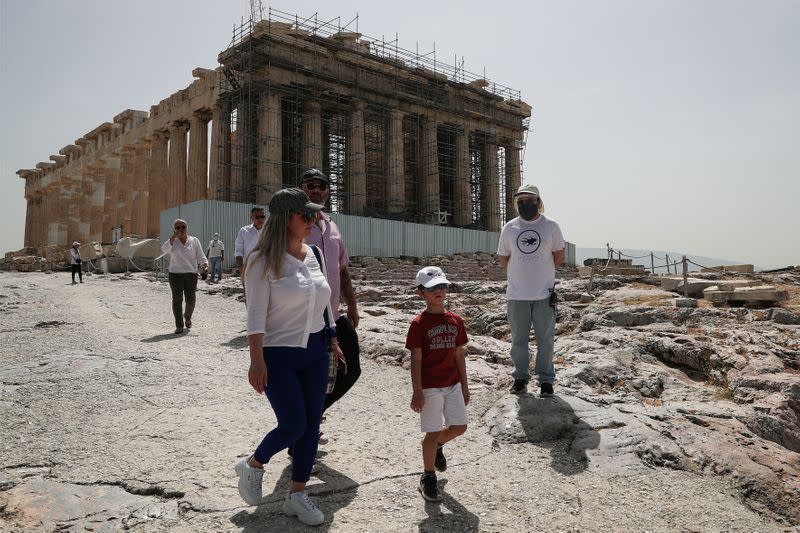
326, 236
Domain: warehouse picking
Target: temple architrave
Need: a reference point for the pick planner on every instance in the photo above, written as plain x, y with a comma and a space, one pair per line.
401, 136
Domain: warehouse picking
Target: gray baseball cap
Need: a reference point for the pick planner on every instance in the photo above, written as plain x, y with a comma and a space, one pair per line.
527, 189
291, 200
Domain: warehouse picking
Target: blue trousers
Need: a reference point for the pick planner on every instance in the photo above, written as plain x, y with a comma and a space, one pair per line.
216, 268
297, 379
521, 313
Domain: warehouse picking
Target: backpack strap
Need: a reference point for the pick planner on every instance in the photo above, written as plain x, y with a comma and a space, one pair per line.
328, 312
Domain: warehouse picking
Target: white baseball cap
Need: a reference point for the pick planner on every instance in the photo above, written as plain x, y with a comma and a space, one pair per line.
431, 276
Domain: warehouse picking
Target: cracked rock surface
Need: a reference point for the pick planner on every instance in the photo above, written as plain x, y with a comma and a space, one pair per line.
664, 419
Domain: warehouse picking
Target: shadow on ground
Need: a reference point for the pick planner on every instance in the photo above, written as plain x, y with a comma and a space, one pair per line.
163, 337
458, 518
236, 342
334, 493
551, 423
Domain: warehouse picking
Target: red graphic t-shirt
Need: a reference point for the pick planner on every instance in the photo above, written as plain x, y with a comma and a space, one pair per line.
438, 336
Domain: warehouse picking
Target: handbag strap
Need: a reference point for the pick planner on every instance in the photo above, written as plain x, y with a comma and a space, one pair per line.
324, 273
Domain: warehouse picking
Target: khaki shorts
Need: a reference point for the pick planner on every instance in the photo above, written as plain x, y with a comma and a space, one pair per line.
444, 406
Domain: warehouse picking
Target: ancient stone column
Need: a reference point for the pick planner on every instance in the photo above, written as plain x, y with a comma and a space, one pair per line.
97, 216
125, 190
219, 171
111, 170
270, 138
429, 155
462, 214
395, 171
311, 156
198, 157
513, 178
157, 186
490, 191
141, 171
356, 184
74, 199
176, 184
86, 194
243, 178
29, 206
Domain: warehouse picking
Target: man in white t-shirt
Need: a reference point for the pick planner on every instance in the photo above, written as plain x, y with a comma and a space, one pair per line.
531, 247
216, 255
247, 237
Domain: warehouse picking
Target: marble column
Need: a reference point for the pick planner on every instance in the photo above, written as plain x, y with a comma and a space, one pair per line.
244, 181
490, 190
141, 171
270, 148
219, 182
96, 216
125, 190
429, 155
198, 157
111, 169
86, 194
513, 178
157, 186
311, 156
176, 184
356, 183
395, 170
462, 215
74, 199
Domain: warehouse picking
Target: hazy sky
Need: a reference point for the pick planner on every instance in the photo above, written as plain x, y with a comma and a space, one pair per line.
667, 125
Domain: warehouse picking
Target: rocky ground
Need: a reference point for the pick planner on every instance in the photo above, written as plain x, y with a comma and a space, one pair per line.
664, 419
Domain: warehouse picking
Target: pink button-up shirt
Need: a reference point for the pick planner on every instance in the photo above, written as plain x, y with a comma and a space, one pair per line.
325, 235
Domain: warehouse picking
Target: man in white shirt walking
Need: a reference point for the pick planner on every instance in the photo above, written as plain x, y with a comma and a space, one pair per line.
186, 253
216, 255
531, 247
247, 237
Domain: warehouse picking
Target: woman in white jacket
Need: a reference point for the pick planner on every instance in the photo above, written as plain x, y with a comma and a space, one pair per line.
287, 298
186, 253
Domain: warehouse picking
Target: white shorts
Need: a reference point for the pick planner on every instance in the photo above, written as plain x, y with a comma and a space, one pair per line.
444, 406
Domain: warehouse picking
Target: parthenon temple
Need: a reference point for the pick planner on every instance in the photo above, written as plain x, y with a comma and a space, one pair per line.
401, 135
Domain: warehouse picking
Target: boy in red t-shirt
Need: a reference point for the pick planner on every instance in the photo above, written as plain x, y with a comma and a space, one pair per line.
437, 340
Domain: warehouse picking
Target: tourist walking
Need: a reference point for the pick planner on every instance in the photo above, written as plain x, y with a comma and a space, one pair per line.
75, 261
247, 237
216, 256
186, 254
438, 343
288, 307
531, 247
326, 236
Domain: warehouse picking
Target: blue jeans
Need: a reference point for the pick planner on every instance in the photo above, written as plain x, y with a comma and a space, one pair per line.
297, 379
521, 313
216, 268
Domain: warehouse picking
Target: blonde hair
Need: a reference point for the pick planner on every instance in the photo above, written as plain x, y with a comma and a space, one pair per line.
272, 243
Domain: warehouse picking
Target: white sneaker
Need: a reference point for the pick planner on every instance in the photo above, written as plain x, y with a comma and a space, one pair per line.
249, 481
323, 439
298, 504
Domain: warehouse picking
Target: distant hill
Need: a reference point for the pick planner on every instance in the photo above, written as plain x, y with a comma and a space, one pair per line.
587, 253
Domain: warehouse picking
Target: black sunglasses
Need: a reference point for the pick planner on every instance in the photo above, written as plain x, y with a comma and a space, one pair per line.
308, 217
260, 217
319, 186
441, 286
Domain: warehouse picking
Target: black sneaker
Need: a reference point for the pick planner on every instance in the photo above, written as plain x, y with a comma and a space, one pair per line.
519, 386
440, 463
428, 488
546, 390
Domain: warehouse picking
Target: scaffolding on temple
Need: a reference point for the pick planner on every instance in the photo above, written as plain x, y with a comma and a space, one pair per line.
400, 134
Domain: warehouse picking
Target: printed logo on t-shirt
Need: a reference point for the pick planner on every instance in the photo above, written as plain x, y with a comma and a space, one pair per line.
528, 241
443, 336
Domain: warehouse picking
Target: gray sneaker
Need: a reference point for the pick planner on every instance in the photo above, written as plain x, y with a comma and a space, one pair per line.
300, 505
249, 481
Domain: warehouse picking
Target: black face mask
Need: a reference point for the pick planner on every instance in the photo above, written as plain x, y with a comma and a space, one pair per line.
528, 210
